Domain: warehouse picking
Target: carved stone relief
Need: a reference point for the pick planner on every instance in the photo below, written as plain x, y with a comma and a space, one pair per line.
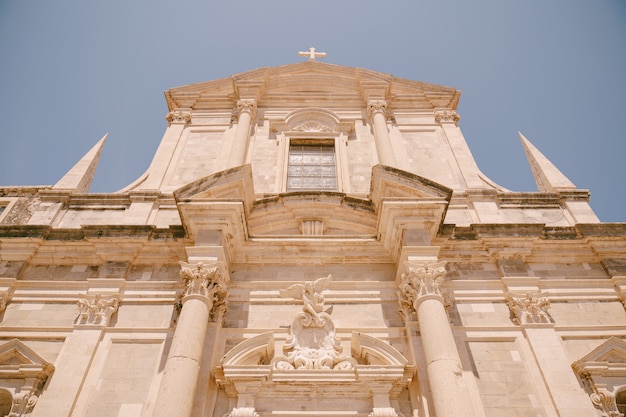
96, 309
421, 280
206, 281
312, 343
531, 308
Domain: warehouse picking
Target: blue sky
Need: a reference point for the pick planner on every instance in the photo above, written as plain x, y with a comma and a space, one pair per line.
70, 71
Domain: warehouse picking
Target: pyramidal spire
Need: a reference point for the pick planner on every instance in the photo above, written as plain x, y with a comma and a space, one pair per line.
547, 176
79, 178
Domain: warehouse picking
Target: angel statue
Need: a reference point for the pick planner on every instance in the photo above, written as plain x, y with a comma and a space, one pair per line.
311, 293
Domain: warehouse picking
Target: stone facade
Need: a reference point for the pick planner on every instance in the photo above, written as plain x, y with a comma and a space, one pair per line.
396, 280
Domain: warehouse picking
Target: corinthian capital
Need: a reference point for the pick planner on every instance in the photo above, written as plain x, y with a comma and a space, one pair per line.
206, 281
420, 281
376, 106
178, 117
447, 116
246, 104
529, 308
96, 309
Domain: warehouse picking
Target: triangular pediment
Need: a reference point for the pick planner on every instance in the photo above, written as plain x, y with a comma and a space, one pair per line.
611, 351
321, 84
19, 361
15, 352
312, 213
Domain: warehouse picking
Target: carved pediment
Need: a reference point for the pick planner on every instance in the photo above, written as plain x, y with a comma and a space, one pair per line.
393, 183
312, 213
14, 353
608, 358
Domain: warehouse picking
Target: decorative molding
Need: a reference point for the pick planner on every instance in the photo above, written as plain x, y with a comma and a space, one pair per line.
25, 373
447, 116
603, 367
207, 282
531, 308
312, 227
96, 310
243, 412
178, 117
312, 343
383, 412
376, 106
4, 301
313, 126
420, 281
23, 404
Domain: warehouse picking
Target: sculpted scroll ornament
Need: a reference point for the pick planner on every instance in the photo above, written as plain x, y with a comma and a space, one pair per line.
23, 404
531, 308
178, 117
421, 280
96, 309
376, 106
205, 281
447, 116
605, 401
312, 343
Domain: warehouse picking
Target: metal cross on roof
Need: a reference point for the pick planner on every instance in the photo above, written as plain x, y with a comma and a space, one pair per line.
312, 54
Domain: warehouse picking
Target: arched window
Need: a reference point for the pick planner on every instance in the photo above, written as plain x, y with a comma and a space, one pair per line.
620, 399
6, 402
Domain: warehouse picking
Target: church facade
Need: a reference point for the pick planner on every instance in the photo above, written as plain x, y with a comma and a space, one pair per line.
310, 240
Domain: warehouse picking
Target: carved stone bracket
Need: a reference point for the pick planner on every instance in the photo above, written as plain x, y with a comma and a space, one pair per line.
531, 308
207, 282
376, 106
605, 401
96, 310
447, 116
23, 404
312, 343
178, 117
420, 281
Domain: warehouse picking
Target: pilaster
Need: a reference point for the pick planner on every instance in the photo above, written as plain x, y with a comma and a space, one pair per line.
94, 311
177, 121
449, 122
530, 310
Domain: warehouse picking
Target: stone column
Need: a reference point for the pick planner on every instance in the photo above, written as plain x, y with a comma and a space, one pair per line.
177, 120
247, 108
376, 110
94, 312
421, 297
204, 298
